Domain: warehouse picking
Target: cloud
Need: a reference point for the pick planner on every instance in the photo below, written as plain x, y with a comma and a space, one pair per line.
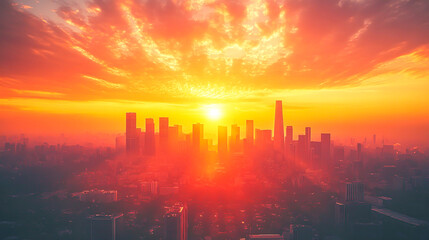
174, 50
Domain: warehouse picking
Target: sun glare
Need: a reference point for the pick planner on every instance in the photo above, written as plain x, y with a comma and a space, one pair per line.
213, 112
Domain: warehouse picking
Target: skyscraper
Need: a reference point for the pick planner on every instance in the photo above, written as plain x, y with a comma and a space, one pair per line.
150, 137
235, 138
173, 138
249, 132
267, 139
197, 135
222, 135
300, 232
278, 127
354, 191
131, 137
176, 223
325, 152
300, 153
308, 144
359, 152
288, 141
103, 227
163, 134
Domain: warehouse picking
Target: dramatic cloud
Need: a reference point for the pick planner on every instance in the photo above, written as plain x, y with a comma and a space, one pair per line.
185, 49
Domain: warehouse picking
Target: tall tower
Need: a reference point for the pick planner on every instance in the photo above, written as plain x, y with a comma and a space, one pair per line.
103, 226
197, 135
249, 132
308, 154
234, 142
279, 134
325, 149
131, 133
288, 141
163, 134
222, 136
150, 137
176, 222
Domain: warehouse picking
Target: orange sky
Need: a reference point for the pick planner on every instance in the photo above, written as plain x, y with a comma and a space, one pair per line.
350, 67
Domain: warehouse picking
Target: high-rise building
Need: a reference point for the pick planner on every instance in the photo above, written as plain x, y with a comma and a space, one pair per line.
138, 139
222, 136
120, 143
234, 143
338, 154
308, 144
300, 232
173, 137
354, 191
359, 152
163, 134
267, 135
249, 132
197, 135
150, 137
288, 141
278, 127
103, 227
131, 137
350, 213
300, 152
176, 223
325, 154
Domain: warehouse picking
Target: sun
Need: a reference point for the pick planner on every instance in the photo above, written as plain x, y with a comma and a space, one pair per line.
213, 112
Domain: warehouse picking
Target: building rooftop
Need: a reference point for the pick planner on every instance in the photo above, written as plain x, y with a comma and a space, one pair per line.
265, 236
105, 217
400, 217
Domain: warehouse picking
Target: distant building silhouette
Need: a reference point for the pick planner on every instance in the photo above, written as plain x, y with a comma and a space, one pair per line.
279, 128
249, 134
325, 149
197, 136
131, 136
289, 142
222, 136
234, 142
163, 134
150, 137
307, 156
301, 148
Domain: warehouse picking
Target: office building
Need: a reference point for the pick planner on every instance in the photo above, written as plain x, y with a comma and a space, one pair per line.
234, 142
131, 141
103, 227
249, 134
163, 134
300, 232
150, 137
279, 128
176, 223
222, 136
197, 136
325, 151
354, 191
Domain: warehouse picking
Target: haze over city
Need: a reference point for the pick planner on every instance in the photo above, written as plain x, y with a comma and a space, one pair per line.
350, 67
214, 119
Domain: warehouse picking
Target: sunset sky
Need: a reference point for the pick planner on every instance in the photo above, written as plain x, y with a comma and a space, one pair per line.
349, 67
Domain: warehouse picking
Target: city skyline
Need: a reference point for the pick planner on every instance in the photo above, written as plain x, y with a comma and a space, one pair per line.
217, 63
214, 119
